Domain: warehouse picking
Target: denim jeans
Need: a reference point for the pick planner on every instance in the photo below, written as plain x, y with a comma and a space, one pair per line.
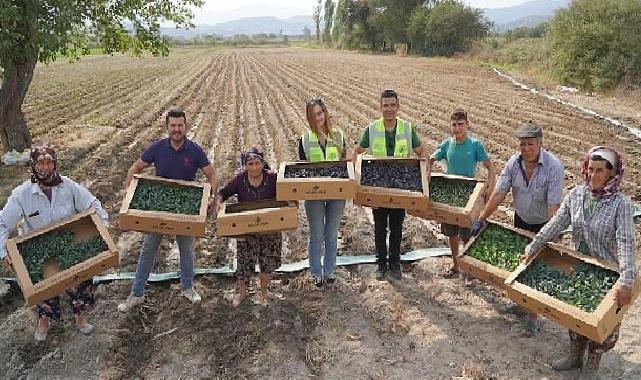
147, 256
392, 217
324, 219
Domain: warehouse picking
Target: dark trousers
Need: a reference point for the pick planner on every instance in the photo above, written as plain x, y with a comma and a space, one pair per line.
519, 223
392, 217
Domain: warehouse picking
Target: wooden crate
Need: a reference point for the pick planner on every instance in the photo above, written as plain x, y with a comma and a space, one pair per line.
256, 217
164, 222
371, 196
484, 271
83, 225
459, 216
596, 325
293, 189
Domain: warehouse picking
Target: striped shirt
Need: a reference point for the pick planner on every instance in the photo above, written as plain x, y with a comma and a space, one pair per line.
544, 188
608, 232
29, 203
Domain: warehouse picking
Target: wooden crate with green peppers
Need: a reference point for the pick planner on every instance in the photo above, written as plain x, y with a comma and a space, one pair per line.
454, 200
235, 219
53, 259
575, 291
494, 253
165, 206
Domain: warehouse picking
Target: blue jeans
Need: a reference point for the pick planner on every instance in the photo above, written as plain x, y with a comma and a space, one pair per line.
147, 256
324, 219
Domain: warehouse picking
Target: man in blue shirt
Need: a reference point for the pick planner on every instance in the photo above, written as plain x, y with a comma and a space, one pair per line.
461, 153
175, 157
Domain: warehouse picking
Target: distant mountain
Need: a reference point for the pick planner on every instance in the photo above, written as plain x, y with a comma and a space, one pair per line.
526, 14
247, 25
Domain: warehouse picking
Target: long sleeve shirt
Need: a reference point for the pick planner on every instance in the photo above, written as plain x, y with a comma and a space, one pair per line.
240, 186
29, 203
607, 230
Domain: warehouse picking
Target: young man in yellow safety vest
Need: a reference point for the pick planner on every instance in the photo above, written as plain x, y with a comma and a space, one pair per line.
389, 136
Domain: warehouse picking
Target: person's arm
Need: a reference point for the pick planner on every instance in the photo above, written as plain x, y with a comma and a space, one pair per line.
560, 221
362, 146
491, 178
491, 205
439, 154
136, 168
84, 200
417, 145
555, 189
626, 246
212, 178
501, 189
10, 215
301, 151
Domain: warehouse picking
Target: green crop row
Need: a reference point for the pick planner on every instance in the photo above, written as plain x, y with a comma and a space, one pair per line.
498, 247
584, 287
453, 193
59, 246
154, 196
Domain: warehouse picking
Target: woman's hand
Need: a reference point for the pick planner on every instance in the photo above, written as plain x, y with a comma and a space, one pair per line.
623, 296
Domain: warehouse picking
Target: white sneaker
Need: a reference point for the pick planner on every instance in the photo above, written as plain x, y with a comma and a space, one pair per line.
85, 328
38, 336
191, 295
131, 302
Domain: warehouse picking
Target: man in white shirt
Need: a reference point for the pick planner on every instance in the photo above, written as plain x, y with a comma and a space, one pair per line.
44, 199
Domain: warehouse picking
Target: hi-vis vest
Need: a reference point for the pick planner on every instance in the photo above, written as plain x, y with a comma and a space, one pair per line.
377, 144
314, 152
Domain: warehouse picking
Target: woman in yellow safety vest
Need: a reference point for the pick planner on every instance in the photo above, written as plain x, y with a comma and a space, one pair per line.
322, 143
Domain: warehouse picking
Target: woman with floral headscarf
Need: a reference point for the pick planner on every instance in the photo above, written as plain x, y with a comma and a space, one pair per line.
603, 227
254, 182
40, 201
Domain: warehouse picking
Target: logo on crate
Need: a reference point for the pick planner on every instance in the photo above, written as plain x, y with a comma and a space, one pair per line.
316, 190
162, 226
258, 222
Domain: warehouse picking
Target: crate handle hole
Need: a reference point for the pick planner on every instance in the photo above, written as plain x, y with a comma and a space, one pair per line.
282, 219
294, 190
189, 228
233, 224
618, 310
137, 222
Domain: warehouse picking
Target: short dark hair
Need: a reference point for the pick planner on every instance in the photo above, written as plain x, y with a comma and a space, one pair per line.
175, 113
459, 114
597, 157
389, 94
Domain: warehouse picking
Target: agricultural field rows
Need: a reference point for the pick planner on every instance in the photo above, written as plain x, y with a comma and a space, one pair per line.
103, 111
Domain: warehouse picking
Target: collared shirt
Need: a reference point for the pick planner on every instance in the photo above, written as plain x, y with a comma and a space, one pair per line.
176, 164
28, 202
608, 232
462, 158
532, 198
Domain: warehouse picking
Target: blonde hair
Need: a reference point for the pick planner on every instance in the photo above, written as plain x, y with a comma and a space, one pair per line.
328, 130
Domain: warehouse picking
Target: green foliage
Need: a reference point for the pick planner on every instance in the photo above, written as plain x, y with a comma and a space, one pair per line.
453, 193
499, 247
597, 43
584, 287
154, 196
318, 18
60, 246
46, 29
537, 31
328, 18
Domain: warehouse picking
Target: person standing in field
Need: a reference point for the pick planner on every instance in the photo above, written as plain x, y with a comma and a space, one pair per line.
322, 143
602, 220
43, 200
462, 153
174, 157
255, 182
389, 136
535, 177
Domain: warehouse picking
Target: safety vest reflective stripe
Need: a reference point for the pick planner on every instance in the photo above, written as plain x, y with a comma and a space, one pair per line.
314, 152
378, 145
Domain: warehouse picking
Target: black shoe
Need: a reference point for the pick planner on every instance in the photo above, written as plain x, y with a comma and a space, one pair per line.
395, 271
318, 282
380, 272
330, 280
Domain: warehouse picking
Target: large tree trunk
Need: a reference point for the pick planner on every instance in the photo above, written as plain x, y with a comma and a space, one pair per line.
16, 78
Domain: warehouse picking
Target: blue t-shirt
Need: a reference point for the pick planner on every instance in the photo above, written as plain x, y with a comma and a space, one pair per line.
461, 158
175, 164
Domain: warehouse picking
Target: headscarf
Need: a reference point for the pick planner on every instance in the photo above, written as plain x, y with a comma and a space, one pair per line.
42, 152
609, 154
255, 152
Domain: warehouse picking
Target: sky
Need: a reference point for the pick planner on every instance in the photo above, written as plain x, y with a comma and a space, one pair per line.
219, 11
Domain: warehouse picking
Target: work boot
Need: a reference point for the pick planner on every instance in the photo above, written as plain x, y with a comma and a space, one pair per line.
395, 270
381, 271
590, 369
574, 358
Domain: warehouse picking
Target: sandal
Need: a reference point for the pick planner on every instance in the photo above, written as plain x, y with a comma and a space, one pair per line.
451, 273
238, 300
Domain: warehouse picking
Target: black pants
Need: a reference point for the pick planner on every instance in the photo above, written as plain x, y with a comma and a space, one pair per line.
519, 223
392, 217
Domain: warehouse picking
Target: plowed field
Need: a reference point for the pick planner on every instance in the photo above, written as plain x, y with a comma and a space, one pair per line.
103, 111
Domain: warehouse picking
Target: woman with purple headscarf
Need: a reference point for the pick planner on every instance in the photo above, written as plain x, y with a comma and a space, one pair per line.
40, 201
254, 182
603, 227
